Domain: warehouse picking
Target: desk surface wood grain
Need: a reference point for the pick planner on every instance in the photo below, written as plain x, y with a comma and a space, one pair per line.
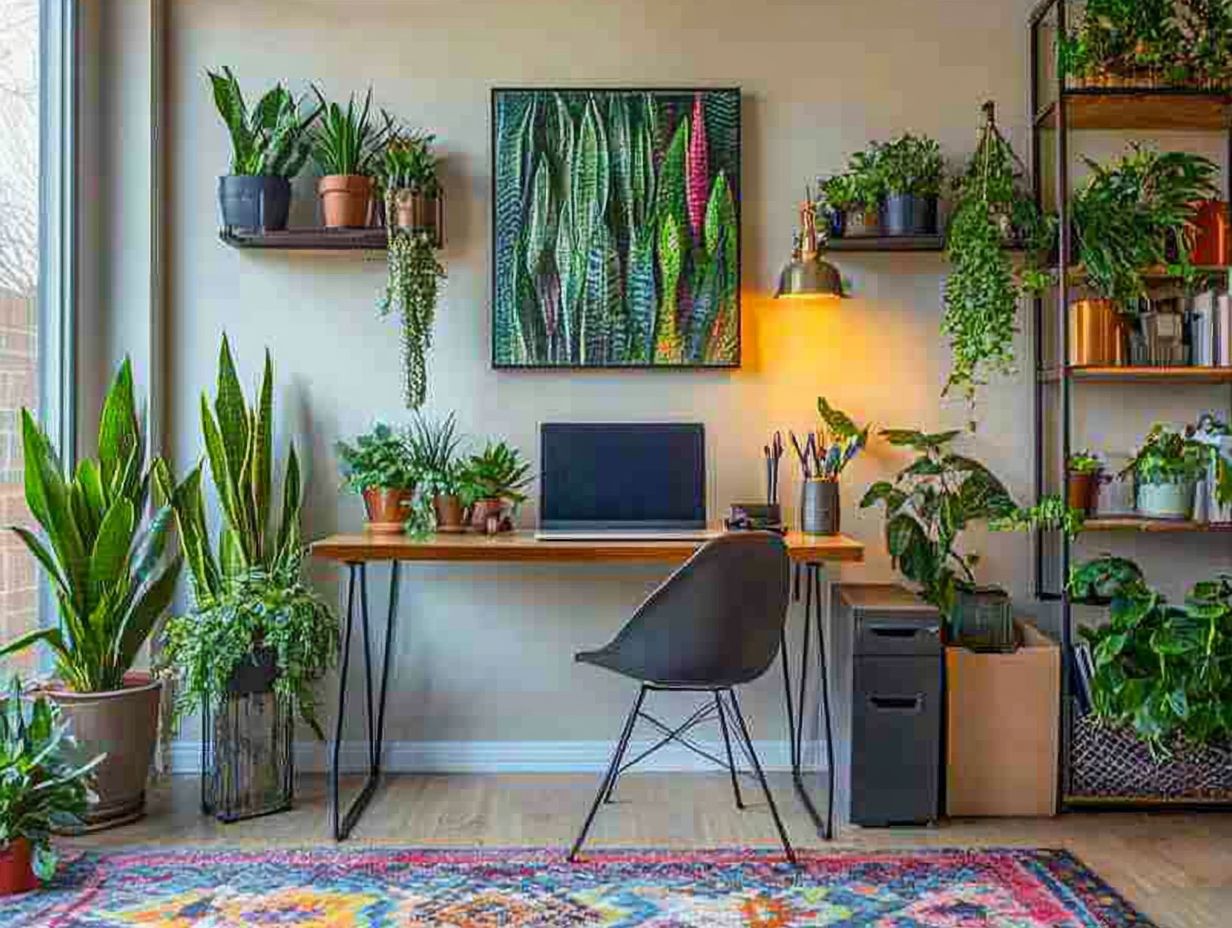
523, 546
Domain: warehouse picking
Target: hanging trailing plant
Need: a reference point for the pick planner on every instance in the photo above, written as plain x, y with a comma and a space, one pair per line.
992, 210
411, 292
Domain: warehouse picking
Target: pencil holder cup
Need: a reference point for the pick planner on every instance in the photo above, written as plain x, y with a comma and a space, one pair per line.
819, 507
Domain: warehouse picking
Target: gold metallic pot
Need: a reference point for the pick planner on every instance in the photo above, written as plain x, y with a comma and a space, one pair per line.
1097, 336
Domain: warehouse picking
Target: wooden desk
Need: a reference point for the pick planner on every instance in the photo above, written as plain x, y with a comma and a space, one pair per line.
356, 552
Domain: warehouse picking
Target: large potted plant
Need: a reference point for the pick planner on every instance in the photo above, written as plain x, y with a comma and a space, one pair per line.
381, 468
911, 170
492, 482
927, 506
1166, 470
42, 786
993, 208
112, 584
434, 448
254, 628
345, 145
269, 145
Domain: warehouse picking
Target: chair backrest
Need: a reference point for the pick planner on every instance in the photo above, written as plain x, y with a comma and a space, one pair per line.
717, 621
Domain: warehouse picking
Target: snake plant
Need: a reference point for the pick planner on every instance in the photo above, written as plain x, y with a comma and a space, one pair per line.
349, 141
270, 139
105, 562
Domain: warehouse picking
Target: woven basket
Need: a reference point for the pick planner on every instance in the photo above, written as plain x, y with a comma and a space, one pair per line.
1109, 762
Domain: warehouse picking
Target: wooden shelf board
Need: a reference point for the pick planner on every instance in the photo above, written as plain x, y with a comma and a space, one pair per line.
308, 240
1141, 108
1138, 524
1199, 375
1078, 274
887, 243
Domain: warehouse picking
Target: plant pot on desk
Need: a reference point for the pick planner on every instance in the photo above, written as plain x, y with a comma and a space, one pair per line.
490, 516
388, 509
450, 513
820, 513
16, 868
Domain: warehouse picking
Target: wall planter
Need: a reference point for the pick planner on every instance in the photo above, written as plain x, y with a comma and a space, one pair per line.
346, 200
819, 507
247, 759
124, 725
1097, 336
1166, 500
254, 203
388, 509
16, 872
1113, 763
982, 619
909, 214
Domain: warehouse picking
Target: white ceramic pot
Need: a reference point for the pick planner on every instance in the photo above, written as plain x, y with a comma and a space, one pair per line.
1166, 500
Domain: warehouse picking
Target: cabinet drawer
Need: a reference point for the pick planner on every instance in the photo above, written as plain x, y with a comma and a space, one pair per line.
890, 634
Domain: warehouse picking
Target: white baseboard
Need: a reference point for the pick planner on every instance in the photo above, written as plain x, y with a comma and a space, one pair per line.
508, 756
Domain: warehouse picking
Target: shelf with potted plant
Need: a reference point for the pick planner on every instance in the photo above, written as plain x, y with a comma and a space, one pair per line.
1136, 374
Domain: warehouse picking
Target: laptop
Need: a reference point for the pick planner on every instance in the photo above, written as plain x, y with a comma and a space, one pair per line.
622, 482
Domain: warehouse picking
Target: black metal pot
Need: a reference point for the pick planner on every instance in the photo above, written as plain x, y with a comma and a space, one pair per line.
838, 224
819, 507
909, 214
255, 674
254, 204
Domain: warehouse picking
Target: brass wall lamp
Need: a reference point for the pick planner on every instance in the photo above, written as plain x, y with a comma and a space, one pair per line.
807, 275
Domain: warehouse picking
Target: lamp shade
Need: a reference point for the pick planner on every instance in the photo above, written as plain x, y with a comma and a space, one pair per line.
805, 277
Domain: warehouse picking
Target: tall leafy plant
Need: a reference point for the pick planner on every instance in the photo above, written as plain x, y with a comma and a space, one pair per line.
271, 139
928, 505
105, 563
350, 140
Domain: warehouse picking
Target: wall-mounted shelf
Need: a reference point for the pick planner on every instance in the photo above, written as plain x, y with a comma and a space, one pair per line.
1149, 375
872, 243
1130, 108
308, 240
1163, 526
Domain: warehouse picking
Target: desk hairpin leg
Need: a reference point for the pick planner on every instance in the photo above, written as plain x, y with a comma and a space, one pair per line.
357, 583
795, 723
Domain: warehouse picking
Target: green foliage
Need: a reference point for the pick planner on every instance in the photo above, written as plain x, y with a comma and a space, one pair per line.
1050, 514
349, 141
1085, 462
412, 291
1131, 212
41, 785
928, 505
910, 164
1165, 670
272, 139
1098, 581
992, 208
408, 163
381, 458
433, 447
1167, 456
1214, 438
837, 441
498, 472
617, 237
109, 575
860, 186
256, 610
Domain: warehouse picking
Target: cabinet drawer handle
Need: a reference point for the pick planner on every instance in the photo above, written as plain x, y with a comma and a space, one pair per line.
897, 703
899, 631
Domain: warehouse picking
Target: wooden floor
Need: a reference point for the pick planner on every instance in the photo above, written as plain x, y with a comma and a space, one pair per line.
1176, 867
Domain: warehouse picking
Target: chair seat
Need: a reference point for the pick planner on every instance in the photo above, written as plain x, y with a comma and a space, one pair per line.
609, 660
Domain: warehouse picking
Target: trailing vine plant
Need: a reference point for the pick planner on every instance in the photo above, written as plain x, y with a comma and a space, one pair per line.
411, 292
992, 210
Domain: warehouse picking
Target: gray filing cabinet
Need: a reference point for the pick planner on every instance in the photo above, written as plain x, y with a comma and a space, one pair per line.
896, 705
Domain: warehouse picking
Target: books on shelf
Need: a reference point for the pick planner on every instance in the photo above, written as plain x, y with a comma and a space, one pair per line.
1083, 675
1211, 330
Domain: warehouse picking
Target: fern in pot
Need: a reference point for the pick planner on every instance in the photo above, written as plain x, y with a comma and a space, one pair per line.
254, 627
381, 468
269, 146
1166, 471
911, 170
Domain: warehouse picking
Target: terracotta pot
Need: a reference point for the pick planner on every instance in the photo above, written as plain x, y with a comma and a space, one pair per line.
16, 873
388, 509
449, 512
123, 724
416, 211
1096, 334
1084, 492
346, 200
1212, 234
485, 510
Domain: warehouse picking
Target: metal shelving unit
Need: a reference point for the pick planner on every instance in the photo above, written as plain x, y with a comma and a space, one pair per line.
1059, 112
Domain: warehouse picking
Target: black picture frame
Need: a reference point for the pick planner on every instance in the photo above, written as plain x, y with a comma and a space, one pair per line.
496, 363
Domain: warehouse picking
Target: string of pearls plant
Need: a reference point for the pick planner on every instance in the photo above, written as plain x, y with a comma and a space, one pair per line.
411, 292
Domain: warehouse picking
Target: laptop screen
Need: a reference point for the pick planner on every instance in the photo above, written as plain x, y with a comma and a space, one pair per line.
623, 476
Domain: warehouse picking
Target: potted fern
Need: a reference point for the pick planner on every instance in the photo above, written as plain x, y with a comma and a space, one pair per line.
345, 145
42, 787
255, 632
105, 563
381, 468
269, 146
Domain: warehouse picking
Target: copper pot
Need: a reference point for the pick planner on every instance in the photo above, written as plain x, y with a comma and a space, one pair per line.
449, 512
1212, 243
416, 211
488, 515
123, 724
388, 509
346, 200
16, 871
1084, 492
1097, 335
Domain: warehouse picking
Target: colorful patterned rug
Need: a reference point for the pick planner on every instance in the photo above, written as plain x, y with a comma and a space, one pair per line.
999, 888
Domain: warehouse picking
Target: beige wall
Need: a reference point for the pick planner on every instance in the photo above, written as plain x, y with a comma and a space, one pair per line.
485, 653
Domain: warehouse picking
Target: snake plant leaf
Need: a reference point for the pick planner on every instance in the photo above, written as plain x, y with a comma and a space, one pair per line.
641, 297
231, 411
90, 482
52, 637
230, 103
671, 185
117, 427
559, 134
590, 181
540, 231
220, 468
109, 557
515, 114
697, 170
603, 332
722, 115
289, 541
571, 267
705, 308
642, 165
671, 261
43, 556
722, 233
620, 148
261, 459
47, 496
531, 324
150, 605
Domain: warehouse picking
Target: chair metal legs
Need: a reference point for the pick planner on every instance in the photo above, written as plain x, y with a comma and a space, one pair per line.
616, 767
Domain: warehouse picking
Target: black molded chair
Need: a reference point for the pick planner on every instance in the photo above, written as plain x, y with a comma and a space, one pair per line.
713, 625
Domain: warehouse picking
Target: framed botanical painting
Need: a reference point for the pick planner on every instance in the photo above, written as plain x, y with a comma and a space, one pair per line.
616, 228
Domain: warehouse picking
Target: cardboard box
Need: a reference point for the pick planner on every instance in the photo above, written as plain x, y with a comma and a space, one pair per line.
1002, 729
